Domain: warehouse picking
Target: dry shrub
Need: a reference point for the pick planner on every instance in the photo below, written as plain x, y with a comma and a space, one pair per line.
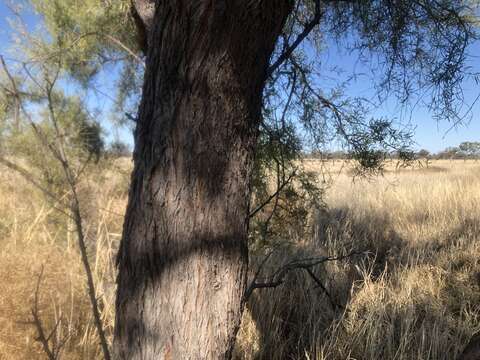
35, 236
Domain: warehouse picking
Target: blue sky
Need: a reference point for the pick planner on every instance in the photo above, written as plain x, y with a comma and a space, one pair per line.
429, 133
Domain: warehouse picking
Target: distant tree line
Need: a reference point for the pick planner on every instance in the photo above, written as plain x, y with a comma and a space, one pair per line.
465, 150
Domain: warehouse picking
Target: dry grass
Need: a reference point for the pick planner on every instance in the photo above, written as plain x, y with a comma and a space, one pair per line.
33, 235
416, 296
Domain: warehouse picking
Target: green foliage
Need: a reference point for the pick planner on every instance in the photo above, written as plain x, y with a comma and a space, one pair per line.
68, 127
417, 45
85, 36
451, 152
79, 132
7, 107
370, 160
283, 193
470, 149
423, 154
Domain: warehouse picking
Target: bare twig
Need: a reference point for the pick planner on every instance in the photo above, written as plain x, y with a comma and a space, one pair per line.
75, 207
44, 340
57, 149
274, 195
260, 267
324, 289
77, 217
278, 277
51, 347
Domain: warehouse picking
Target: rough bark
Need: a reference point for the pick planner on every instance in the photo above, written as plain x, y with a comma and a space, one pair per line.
143, 12
183, 257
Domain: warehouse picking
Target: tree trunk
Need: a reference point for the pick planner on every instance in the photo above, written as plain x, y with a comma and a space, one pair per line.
183, 258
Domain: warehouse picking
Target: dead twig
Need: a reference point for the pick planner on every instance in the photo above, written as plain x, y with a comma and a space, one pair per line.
274, 195
38, 322
50, 347
307, 264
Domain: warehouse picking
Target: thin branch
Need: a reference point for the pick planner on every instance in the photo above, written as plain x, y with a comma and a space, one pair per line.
251, 287
324, 289
88, 271
52, 351
31, 179
37, 130
14, 92
275, 204
38, 322
106, 36
58, 151
273, 196
336, 111
124, 47
278, 277
305, 32
77, 217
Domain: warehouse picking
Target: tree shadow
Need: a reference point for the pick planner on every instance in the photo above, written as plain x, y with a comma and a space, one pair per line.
290, 321
285, 322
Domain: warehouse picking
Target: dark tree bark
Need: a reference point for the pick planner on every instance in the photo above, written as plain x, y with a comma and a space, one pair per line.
183, 258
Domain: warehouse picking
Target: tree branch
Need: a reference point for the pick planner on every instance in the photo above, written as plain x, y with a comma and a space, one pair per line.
275, 194
31, 179
57, 149
38, 323
278, 277
52, 351
77, 218
14, 92
291, 48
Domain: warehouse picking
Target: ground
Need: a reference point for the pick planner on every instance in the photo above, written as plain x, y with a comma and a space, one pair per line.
413, 292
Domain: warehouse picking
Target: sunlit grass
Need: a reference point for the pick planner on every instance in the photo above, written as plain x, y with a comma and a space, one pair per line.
416, 295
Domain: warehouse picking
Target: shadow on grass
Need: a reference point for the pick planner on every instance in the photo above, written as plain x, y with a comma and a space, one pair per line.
289, 319
293, 320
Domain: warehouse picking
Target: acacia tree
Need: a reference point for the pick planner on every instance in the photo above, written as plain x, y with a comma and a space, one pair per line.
183, 256
227, 83
470, 149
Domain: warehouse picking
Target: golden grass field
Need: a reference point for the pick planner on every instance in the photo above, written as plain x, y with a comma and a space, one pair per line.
416, 295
